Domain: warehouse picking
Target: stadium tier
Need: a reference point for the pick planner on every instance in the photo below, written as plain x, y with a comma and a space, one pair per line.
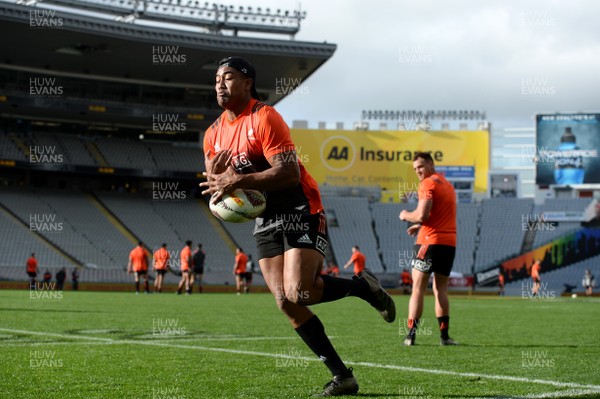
114, 152
69, 227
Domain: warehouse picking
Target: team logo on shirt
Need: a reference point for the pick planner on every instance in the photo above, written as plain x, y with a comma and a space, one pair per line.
241, 161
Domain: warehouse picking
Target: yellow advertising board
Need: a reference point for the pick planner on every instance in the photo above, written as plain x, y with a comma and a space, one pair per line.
384, 158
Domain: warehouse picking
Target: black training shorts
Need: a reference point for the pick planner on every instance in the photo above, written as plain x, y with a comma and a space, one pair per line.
434, 258
293, 231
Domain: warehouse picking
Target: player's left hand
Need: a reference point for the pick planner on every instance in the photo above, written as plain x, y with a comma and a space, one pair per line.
413, 230
219, 184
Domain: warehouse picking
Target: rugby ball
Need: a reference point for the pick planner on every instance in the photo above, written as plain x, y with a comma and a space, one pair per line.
239, 206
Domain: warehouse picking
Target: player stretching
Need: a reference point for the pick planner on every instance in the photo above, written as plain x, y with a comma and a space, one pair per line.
160, 260
249, 146
138, 265
435, 247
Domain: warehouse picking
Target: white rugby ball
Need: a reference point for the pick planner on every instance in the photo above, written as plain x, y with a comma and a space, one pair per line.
239, 206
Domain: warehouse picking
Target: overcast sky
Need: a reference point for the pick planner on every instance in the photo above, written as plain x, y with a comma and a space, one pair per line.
511, 59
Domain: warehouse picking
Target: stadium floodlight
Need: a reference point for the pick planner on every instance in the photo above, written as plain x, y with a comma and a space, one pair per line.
428, 115
216, 18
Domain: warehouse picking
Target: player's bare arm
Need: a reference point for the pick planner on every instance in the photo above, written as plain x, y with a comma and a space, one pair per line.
420, 214
283, 173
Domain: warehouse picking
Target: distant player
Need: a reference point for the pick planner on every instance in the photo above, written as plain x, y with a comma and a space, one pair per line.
138, 265
435, 247
334, 270
75, 279
160, 259
406, 282
186, 268
358, 259
501, 284
198, 259
535, 276
248, 275
250, 146
32, 268
239, 270
588, 282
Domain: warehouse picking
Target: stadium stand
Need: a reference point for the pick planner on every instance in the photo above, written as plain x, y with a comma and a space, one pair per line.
555, 280
69, 220
16, 244
467, 222
75, 150
547, 234
396, 246
242, 235
355, 228
8, 148
125, 153
501, 217
117, 152
176, 158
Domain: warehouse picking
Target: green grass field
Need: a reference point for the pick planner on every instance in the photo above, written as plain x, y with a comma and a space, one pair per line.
119, 345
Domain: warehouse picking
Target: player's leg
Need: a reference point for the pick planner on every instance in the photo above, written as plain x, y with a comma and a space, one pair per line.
200, 282
238, 283
188, 274
247, 282
442, 307
415, 304
136, 278
289, 294
442, 257
159, 278
181, 282
317, 288
146, 283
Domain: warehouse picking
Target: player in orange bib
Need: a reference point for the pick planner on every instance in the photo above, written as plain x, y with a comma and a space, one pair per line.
239, 270
138, 265
32, 268
435, 248
359, 260
186, 268
250, 146
160, 259
535, 276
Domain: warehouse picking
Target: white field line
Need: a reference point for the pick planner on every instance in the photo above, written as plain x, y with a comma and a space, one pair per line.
558, 384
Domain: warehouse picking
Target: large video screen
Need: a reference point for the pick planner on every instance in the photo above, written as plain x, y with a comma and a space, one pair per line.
567, 148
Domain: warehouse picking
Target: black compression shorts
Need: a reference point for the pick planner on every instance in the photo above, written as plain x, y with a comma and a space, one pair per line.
434, 258
293, 231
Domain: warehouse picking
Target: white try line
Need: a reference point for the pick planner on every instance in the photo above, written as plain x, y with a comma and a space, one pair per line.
558, 384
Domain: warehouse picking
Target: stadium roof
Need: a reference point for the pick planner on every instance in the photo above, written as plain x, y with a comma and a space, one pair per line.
90, 47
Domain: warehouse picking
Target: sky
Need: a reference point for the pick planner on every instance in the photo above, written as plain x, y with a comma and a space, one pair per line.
511, 59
